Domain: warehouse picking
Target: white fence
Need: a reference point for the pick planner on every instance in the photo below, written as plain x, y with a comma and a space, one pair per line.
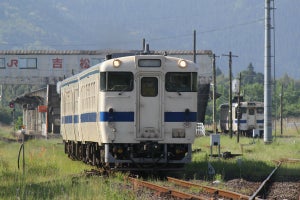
200, 129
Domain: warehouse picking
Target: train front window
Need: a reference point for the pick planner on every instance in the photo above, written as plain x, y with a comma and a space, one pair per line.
149, 86
181, 82
116, 81
251, 111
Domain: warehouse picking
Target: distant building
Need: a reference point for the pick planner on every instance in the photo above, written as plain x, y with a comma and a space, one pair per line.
41, 111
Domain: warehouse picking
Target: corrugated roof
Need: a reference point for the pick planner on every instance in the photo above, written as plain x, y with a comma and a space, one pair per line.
98, 52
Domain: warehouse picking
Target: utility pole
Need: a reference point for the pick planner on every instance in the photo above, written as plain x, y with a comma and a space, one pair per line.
239, 114
267, 76
230, 92
281, 108
1, 94
214, 93
194, 51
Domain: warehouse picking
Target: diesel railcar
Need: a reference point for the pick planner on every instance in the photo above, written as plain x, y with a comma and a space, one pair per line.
250, 115
131, 112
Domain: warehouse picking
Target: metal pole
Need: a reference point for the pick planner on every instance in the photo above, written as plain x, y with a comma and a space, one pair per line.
214, 94
230, 93
1, 93
194, 52
239, 110
281, 108
267, 77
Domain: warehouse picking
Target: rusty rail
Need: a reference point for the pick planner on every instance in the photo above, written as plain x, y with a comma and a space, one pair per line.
161, 190
211, 190
265, 181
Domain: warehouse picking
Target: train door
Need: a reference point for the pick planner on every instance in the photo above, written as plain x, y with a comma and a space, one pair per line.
149, 107
251, 121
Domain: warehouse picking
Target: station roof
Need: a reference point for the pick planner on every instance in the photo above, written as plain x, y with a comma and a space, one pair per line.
98, 52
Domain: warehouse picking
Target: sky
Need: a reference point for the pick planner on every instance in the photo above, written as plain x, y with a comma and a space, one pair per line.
221, 26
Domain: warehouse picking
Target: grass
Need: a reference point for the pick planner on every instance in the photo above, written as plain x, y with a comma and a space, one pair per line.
50, 174
256, 159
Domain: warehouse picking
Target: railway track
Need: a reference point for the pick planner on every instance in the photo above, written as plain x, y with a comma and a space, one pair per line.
179, 189
204, 192
210, 190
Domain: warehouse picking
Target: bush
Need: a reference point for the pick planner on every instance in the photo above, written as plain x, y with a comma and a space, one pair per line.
6, 115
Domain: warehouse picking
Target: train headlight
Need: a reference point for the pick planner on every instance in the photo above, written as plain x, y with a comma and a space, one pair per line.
178, 133
116, 63
182, 63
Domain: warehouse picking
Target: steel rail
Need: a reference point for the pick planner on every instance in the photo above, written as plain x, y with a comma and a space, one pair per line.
264, 182
161, 190
211, 190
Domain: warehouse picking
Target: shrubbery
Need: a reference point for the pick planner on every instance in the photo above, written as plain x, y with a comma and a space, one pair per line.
6, 115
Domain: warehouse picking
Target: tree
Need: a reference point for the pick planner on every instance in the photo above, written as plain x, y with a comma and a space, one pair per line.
249, 76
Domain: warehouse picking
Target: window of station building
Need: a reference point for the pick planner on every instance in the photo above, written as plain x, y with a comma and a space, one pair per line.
27, 63
181, 82
2, 63
116, 81
149, 86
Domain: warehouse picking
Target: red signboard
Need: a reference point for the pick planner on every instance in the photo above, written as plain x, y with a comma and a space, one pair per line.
57, 63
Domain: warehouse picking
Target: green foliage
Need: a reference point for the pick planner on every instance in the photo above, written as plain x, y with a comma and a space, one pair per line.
252, 89
9, 93
253, 92
5, 115
19, 123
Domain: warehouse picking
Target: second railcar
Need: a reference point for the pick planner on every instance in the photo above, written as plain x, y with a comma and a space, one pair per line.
249, 115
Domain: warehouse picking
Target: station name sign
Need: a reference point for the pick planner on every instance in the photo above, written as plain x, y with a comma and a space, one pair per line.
32, 63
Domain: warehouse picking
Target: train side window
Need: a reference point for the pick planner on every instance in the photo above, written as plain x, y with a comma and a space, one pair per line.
260, 110
181, 82
243, 110
149, 86
116, 81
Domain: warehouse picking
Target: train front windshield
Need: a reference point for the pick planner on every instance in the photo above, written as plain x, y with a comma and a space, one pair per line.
116, 81
181, 81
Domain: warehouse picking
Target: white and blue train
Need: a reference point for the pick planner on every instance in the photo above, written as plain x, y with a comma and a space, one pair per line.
131, 112
250, 115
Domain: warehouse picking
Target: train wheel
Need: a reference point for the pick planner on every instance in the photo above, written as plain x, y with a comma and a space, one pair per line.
87, 153
66, 147
93, 152
83, 152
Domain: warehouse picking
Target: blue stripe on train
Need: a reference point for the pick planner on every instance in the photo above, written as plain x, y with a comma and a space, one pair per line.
126, 117
180, 117
70, 119
88, 117
116, 117
244, 121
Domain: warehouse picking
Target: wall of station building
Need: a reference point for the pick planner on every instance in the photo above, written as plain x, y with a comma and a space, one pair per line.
49, 67
44, 67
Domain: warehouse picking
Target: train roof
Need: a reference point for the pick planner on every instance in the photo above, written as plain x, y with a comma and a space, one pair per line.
96, 68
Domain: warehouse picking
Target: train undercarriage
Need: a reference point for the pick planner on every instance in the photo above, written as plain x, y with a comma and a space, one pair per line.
138, 156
